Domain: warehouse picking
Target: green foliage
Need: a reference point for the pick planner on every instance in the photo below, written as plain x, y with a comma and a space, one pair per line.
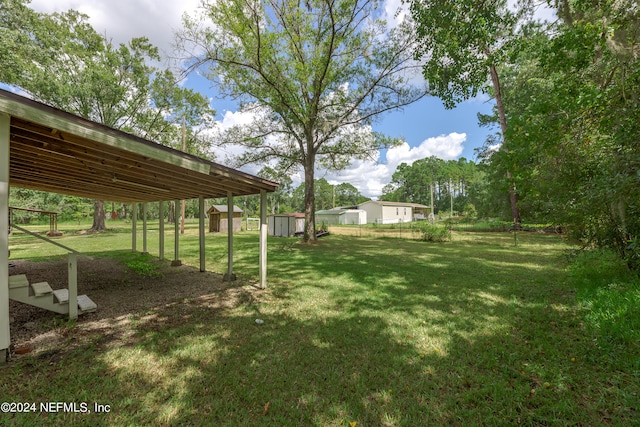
462, 41
572, 103
470, 211
62, 61
462, 178
430, 232
610, 293
143, 265
314, 78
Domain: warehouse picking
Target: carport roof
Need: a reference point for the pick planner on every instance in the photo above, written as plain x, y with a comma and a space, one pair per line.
55, 151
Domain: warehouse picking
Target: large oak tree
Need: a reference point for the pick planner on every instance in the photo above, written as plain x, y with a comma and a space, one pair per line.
315, 74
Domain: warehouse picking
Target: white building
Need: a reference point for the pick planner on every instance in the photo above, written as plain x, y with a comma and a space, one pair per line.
381, 212
341, 216
285, 225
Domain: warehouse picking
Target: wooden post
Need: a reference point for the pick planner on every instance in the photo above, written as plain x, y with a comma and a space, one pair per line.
229, 277
263, 239
144, 228
5, 338
161, 231
176, 248
201, 231
134, 230
73, 285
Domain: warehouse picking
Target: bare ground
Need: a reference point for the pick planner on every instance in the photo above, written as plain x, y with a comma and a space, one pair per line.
118, 291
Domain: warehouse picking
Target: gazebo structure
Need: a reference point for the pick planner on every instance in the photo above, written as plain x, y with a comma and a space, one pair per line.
43, 148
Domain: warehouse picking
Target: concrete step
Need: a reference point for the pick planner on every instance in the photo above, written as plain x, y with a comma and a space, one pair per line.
18, 281
61, 296
41, 289
85, 304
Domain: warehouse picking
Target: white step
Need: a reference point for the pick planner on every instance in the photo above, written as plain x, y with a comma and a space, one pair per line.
18, 281
61, 296
85, 304
41, 288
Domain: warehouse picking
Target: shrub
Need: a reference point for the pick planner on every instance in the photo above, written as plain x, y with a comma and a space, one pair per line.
432, 232
611, 294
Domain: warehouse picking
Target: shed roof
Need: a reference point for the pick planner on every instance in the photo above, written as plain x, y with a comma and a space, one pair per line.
329, 212
223, 209
290, 214
399, 204
55, 151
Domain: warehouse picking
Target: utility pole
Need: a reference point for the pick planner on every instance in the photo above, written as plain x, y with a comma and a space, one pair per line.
433, 210
451, 195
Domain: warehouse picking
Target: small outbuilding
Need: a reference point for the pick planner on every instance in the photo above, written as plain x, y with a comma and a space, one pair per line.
219, 218
341, 216
285, 225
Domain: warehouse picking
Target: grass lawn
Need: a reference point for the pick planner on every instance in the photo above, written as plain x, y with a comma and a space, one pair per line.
357, 331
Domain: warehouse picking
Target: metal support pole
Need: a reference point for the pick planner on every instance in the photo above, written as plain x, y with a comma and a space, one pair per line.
144, 229
201, 231
5, 338
134, 229
229, 277
73, 286
263, 239
161, 231
176, 248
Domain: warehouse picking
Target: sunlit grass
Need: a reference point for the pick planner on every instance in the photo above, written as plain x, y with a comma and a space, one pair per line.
475, 331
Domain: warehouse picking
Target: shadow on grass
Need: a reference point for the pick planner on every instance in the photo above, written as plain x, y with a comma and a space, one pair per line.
373, 332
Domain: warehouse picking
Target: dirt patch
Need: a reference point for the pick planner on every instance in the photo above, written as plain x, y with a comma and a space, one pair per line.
118, 291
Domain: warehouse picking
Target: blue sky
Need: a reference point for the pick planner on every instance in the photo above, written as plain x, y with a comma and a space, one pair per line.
426, 126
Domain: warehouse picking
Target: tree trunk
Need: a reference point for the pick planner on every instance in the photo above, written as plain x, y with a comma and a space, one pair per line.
309, 202
99, 216
171, 213
513, 195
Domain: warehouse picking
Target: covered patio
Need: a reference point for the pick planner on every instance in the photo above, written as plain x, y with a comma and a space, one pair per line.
43, 148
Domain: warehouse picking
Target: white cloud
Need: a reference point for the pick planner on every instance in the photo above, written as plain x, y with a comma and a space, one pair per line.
123, 20
370, 177
395, 12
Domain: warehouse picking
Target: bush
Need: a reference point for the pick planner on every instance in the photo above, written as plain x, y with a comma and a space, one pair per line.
597, 268
611, 294
432, 232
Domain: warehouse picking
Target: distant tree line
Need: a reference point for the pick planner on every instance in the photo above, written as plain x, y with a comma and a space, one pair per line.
444, 182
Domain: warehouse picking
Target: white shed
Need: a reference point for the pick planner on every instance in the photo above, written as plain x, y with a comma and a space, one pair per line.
285, 225
353, 217
339, 216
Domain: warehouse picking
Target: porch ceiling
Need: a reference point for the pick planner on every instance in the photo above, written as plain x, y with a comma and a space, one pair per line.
54, 151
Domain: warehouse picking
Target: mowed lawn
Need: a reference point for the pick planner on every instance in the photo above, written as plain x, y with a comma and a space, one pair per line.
356, 332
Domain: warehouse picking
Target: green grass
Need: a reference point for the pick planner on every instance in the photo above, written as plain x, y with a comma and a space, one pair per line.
475, 331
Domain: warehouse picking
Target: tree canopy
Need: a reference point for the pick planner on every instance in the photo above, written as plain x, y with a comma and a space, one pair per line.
315, 76
463, 44
59, 59
571, 97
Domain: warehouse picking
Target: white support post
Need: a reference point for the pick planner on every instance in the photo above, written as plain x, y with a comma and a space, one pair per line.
176, 248
263, 239
201, 231
134, 230
144, 229
73, 286
229, 277
161, 231
5, 338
